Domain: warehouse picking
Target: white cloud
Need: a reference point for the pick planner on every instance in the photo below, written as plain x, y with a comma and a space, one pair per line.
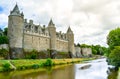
3, 20
90, 20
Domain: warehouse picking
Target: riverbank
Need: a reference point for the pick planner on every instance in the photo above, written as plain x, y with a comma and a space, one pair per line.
22, 64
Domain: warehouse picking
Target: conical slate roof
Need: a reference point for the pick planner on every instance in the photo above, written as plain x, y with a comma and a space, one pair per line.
51, 23
16, 9
69, 29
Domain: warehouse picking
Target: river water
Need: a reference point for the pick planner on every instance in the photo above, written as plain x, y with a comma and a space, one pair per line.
97, 70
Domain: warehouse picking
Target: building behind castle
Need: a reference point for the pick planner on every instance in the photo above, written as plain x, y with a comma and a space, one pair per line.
28, 36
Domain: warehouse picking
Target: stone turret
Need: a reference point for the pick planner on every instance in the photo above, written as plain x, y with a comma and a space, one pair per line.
52, 32
15, 32
70, 37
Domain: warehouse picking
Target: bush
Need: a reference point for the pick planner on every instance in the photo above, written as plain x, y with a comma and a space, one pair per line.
48, 62
31, 55
35, 66
4, 53
6, 67
21, 67
114, 57
3, 40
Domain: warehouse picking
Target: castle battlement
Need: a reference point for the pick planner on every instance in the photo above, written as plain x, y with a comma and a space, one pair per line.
31, 28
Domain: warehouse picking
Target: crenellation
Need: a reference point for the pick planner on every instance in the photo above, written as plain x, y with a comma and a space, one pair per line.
30, 22
25, 20
61, 36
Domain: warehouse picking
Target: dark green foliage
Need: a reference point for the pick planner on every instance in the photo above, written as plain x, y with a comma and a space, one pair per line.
31, 55
70, 54
48, 62
85, 46
3, 40
6, 67
35, 66
5, 31
78, 45
22, 68
114, 57
3, 37
96, 49
4, 53
99, 50
113, 38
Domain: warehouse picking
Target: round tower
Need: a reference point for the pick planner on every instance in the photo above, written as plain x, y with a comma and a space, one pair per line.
52, 32
70, 37
15, 32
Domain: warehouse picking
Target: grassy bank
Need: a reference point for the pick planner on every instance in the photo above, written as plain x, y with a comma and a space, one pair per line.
22, 64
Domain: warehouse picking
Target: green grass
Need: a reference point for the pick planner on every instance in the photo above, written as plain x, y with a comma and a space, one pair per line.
23, 64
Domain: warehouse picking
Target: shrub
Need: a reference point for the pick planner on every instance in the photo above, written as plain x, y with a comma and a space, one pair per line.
4, 53
48, 62
31, 55
35, 66
21, 67
6, 67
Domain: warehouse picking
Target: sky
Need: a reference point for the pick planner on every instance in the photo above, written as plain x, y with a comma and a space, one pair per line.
90, 20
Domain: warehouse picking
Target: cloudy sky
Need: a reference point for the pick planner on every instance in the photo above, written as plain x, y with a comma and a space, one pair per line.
90, 20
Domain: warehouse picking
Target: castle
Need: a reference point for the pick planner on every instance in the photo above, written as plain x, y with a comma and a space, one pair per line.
28, 36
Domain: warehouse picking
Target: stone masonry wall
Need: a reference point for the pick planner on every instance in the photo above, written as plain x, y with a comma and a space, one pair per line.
62, 45
37, 42
86, 51
79, 52
40, 43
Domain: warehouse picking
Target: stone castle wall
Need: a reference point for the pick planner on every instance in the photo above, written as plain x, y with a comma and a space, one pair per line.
37, 42
62, 45
79, 52
86, 51
40, 43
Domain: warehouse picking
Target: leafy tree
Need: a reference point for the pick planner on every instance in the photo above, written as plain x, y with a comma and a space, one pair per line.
113, 38
3, 40
99, 50
94, 51
5, 31
78, 45
114, 57
84, 46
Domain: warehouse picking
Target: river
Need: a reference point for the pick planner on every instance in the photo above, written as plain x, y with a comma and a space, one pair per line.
97, 69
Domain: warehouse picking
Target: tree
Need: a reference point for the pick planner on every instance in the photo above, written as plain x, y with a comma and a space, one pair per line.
85, 46
3, 40
5, 31
78, 45
114, 57
113, 38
